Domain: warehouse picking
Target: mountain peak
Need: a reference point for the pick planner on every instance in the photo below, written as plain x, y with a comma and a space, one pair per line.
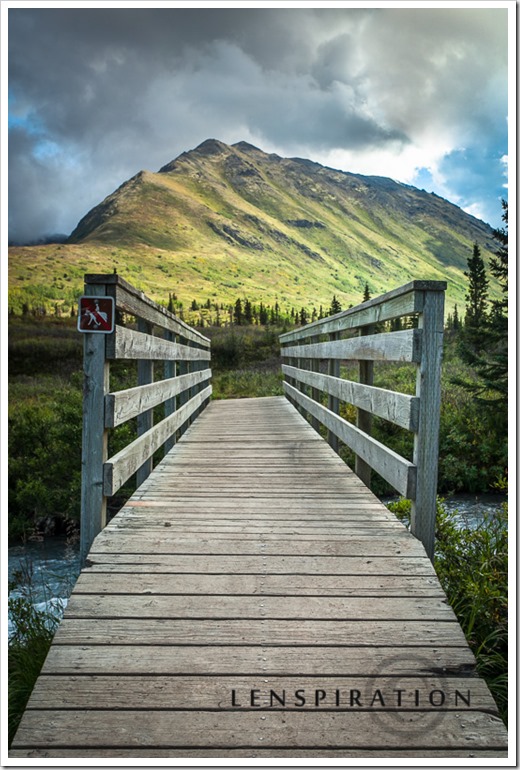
206, 149
211, 147
233, 218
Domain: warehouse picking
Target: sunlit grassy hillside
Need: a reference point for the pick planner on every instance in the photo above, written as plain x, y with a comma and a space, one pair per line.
224, 222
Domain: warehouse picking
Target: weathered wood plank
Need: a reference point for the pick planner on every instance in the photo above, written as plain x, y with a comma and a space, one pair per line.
400, 473
94, 448
356, 545
431, 693
254, 533
121, 466
399, 408
145, 375
188, 524
254, 753
390, 346
360, 509
426, 440
122, 405
136, 753
98, 583
329, 562
305, 729
363, 416
153, 631
287, 607
242, 660
129, 344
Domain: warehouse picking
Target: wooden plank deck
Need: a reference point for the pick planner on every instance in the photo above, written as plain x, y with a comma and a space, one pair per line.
254, 599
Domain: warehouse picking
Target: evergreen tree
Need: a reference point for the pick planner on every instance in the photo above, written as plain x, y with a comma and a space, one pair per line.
366, 293
491, 364
499, 265
486, 350
248, 312
476, 301
263, 315
455, 320
304, 318
238, 315
335, 306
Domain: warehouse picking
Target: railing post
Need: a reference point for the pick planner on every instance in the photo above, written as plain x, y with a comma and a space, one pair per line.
333, 402
184, 368
94, 451
364, 418
170, 405
315, 393
145, 419
426, 441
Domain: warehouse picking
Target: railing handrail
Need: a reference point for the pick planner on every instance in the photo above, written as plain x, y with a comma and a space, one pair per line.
135, 302
184, 389
405, 300
304, 348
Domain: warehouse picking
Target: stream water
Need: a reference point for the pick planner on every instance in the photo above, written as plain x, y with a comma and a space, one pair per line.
47, 570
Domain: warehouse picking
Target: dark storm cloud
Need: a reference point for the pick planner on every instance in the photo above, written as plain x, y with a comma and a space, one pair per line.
98, 93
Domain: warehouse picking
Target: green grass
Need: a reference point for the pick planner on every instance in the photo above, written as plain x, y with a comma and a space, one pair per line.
247, 383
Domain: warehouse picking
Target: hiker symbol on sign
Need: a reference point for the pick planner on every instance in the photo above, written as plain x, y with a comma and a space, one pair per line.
96, 314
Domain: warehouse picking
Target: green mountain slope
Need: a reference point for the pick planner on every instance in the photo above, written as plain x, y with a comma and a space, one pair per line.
221, 222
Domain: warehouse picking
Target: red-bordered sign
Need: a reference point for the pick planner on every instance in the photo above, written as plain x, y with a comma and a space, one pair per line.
96, 314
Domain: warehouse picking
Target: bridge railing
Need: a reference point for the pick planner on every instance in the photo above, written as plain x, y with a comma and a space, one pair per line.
183, 389
324, 344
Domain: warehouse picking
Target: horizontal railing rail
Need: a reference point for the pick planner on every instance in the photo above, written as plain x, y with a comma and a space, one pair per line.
181, 387
306, 351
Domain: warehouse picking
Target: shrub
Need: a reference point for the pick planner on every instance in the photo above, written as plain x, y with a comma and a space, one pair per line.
471, 564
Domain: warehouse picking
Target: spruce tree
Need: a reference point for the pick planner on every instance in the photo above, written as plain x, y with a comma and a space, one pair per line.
492, 363
263, 315
476, 301
335, 306
485, 347
248, 312
456, 320
238, 315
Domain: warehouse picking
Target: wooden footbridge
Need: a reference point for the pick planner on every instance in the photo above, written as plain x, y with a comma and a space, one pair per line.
253, 599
